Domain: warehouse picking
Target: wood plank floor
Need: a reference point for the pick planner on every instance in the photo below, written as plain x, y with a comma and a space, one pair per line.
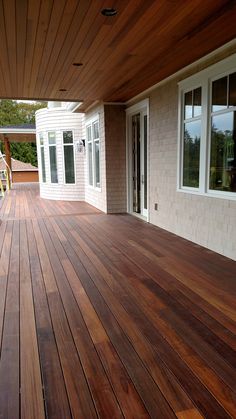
106, 316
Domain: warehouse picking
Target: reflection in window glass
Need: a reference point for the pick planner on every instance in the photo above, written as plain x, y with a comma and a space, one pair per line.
197, 101
41, 139
89, 133
67, 137
97, 163
42, 154
90, 163
232, 89
51, 138
191, 154
43, 164
95, 130
219, 94
188, 102
93, 154
69, 157
53, 163
69, 164
145, 161
223, 152
192, 103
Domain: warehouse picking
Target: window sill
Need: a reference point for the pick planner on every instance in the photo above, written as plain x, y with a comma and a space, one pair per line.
230, 196
94, 188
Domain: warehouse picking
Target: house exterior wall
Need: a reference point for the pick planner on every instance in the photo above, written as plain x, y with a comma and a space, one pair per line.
207, 221
115, 131
111, 197
59, 120
26, 176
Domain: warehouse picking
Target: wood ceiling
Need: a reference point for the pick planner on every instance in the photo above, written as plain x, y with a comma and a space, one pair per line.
122, 55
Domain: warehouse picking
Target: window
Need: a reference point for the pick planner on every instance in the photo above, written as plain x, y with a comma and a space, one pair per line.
208, 131
69, 164
192, 137
53, 156
42, 154
93, 154
223, 135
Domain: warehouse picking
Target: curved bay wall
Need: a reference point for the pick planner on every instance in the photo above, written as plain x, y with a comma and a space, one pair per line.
58, 120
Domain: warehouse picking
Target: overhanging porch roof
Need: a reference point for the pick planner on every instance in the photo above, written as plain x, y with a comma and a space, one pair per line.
69, 51
19, 133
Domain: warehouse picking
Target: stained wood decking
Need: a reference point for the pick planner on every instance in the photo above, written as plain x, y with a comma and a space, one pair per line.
107, 316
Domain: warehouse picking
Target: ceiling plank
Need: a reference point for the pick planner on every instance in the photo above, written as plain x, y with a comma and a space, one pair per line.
32, 26
121, 56
21, 30
44, 27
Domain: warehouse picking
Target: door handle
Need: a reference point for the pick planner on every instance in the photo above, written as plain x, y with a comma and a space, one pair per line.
142, 179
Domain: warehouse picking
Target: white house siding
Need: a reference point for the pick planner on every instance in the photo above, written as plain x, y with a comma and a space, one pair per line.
95, 197
207, 221
59, 120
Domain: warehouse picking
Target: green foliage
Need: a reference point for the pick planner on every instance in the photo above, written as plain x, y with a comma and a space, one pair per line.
25, 152
14, 113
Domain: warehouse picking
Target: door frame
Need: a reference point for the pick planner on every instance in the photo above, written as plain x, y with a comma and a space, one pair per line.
142, 107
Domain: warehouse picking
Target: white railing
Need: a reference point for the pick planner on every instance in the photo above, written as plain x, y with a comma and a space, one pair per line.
5, 176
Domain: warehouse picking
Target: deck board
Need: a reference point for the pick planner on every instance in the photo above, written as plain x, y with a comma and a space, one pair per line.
106, 316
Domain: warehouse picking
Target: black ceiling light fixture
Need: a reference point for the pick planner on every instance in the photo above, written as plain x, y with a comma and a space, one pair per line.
77, 64
109, 11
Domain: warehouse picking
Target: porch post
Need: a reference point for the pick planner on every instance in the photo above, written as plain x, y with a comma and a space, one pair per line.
7, 156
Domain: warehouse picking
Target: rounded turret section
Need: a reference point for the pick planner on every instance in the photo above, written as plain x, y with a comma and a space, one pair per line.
61, 153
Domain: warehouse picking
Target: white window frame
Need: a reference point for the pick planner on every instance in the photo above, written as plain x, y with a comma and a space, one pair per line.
90, 123
64, 145
49, 162
204, 80
42, 146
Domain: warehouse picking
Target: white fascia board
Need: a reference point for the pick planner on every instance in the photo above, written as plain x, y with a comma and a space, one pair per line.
17, 131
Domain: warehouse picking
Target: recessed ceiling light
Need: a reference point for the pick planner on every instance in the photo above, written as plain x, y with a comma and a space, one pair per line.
77, 64
109, 11
62, 90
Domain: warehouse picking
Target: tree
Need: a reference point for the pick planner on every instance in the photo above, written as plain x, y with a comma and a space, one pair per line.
14, 113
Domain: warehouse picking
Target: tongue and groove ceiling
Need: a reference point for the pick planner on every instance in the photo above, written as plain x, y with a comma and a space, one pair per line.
121, 55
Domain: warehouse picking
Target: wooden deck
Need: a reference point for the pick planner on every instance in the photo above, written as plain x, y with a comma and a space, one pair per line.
107, 316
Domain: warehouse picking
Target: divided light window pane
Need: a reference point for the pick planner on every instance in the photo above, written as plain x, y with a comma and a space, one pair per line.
192, 103
89, 132
53, 164
43, 164
41, 139
95, 131
52, 138
188, 105
97, 163
232, 89
93, 154
197, 102
67, 137
223, 152
191, 153
69, 157
69, 164
219, 94
90, 163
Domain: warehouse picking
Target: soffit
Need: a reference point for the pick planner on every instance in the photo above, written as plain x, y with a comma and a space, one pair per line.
123, 55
